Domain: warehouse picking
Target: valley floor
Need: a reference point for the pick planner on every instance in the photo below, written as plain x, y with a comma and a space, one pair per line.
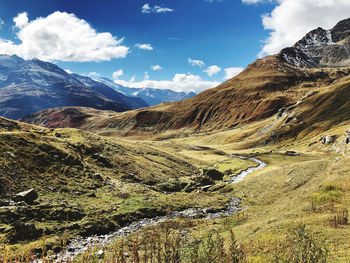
312, 188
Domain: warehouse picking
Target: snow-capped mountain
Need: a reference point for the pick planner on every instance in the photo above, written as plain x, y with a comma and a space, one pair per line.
110, 93
30, 86
150, 95
321, 48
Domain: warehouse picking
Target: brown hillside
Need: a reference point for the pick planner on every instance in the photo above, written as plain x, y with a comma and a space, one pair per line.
258, 92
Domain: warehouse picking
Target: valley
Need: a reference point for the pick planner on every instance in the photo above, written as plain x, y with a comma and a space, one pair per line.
254, 170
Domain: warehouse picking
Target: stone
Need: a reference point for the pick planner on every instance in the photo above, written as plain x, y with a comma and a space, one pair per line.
291, 153
98, 177
313, 143
328, 139
11, 154
28, 196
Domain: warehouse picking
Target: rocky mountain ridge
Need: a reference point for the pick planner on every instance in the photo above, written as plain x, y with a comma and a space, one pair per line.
321, 48
29, 86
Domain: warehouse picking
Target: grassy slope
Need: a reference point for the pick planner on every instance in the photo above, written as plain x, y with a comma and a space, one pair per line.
136, 180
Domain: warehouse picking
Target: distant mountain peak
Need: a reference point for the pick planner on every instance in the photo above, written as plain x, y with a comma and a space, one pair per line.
150, 95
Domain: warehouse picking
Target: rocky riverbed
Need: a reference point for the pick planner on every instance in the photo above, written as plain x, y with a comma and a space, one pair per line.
81, 244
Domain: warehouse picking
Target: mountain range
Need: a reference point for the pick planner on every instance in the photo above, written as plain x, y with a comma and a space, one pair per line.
33, 85
150, 95
264, 88
64, 189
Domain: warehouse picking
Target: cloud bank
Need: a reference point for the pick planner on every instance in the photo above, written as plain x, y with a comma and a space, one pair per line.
212, 70
231, 72
195, 62
144, 46
63, 37
147, 9
180, 82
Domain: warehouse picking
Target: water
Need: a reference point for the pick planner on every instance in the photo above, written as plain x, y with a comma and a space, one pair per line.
81, 244
247, 171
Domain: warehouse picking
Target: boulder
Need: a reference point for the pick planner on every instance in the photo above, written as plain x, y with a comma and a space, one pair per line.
28, 196
328, 139
347, 137
291, 153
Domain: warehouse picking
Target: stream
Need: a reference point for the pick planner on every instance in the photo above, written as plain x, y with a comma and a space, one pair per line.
81, 244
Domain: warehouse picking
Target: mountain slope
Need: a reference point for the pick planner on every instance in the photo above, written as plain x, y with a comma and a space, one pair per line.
33, 85
151, 96
259, 92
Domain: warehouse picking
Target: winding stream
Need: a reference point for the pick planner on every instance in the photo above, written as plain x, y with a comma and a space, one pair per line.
81, 244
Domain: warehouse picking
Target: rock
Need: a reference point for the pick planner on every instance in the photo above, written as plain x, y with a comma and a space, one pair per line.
11, 154
58, 135
98, 177
213, 174
347, 137
280, 112
291, 153
310, 144
28, 196
328, 139
206, 188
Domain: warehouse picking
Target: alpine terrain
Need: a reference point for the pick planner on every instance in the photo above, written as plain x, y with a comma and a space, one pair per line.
256, 169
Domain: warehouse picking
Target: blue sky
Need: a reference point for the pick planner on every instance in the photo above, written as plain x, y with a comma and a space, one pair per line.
179, 44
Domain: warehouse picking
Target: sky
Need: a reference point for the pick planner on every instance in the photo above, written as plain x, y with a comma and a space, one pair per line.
183, 45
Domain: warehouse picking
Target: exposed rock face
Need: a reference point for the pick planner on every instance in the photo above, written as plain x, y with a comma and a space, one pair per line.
321, 48
328, 139
28, 196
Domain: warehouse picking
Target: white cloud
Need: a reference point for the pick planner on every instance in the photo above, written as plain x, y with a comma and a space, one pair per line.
117, 74
147, 9
212, 70
144, 46
196, 62
231, 72
290, 20
21, 20
156, 67
159, 9
146, 77
180, 82
132, 79
94, 75
64, 37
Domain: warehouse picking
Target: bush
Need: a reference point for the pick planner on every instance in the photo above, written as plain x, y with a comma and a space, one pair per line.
302, 247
